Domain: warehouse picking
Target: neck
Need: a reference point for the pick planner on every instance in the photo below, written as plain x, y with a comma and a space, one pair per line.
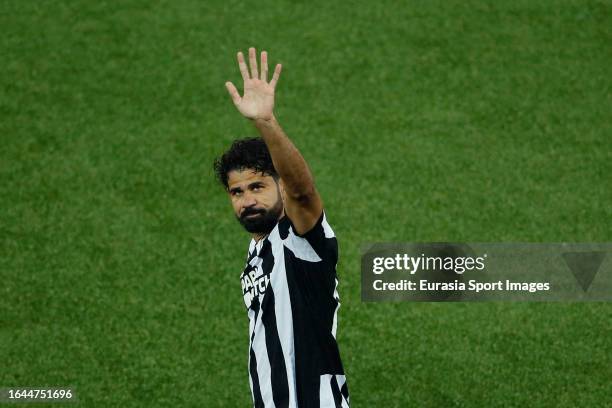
257, 237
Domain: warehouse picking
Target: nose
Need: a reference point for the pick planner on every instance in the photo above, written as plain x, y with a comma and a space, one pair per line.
248, 200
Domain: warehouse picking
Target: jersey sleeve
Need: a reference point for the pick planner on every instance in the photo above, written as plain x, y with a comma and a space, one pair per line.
322, 239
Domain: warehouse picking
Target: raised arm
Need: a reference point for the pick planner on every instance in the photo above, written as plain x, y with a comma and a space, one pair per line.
302, 202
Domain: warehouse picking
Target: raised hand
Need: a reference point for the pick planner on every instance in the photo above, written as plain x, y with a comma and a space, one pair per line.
258, 99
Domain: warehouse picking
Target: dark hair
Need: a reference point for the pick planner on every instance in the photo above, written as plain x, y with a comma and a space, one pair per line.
250, 153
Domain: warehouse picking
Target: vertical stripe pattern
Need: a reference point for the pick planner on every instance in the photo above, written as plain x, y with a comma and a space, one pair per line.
290, 290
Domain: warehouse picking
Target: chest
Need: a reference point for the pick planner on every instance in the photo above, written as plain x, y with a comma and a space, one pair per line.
256, 276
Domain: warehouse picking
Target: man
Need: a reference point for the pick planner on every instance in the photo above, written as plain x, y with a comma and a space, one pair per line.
289, 281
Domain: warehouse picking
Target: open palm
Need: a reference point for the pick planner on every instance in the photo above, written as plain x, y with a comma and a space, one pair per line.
258, 99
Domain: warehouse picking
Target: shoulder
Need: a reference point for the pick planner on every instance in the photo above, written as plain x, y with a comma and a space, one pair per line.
320, 238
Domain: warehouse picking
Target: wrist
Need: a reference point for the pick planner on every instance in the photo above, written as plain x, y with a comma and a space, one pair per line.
264, 121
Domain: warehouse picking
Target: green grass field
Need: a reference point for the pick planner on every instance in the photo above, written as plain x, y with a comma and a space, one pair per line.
479, 121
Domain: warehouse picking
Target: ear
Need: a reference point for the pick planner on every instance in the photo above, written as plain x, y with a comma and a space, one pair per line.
281, 188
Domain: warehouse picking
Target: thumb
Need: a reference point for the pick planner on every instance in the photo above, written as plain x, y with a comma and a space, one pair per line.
231, 89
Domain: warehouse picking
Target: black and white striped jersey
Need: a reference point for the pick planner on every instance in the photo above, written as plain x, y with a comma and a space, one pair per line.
290, 290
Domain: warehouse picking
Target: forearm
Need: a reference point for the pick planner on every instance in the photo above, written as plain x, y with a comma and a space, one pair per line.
288, 162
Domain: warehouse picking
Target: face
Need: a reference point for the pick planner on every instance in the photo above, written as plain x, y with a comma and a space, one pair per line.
256, 200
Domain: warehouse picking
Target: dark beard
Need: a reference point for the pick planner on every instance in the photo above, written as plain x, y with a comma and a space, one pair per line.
264, 223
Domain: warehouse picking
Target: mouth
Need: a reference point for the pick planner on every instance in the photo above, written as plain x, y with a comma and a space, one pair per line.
252, 215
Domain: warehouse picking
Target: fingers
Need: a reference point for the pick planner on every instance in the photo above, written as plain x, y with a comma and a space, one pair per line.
264, 66
242, 65
244, 70
253, 63
277, 72
233, 92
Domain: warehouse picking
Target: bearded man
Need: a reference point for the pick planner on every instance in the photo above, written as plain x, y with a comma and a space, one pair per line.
289, 283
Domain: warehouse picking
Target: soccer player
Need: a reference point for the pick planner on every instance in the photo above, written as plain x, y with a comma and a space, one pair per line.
289, 282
